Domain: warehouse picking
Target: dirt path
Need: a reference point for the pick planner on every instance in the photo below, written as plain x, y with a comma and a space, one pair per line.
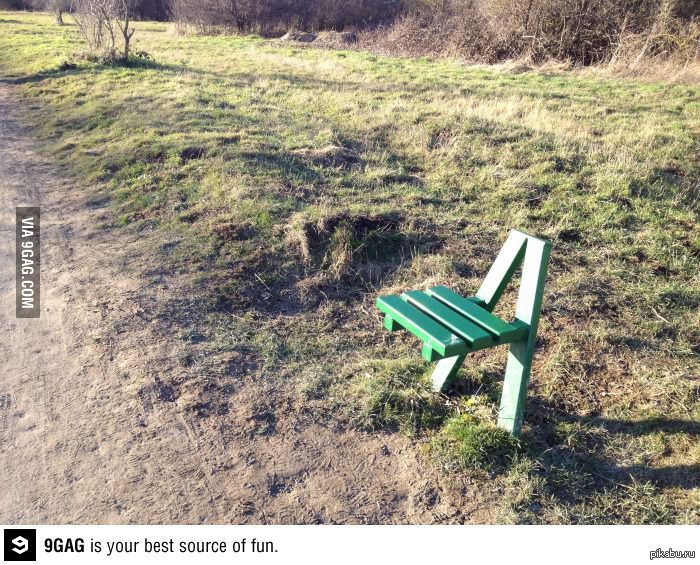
89, 435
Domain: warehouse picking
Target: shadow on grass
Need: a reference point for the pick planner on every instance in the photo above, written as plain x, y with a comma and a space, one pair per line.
68, 69
282, 164
314, 83
586, 455
591, 455
643, 427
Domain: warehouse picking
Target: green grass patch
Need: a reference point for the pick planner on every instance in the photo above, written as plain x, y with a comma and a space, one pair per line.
394, 395
467, 444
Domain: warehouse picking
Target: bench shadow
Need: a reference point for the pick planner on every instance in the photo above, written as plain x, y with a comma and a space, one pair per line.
642, 427
588, 457
591, 456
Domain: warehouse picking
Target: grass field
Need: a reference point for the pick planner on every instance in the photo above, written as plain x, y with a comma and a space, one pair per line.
301, 183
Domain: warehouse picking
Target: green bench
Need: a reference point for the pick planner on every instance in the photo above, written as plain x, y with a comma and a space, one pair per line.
451, 326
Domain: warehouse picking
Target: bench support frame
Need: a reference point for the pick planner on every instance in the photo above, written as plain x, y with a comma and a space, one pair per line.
445, 371
533, 254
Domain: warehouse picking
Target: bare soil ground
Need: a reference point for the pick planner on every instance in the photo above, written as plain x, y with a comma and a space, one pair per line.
89, 432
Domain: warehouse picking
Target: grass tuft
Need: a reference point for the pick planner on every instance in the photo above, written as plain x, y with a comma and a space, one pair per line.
391, 395
466, 444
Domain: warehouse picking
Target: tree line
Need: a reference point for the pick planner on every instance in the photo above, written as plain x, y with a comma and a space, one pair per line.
580, 31
157, 10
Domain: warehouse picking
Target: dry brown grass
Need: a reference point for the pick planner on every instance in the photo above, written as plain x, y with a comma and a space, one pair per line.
658, 46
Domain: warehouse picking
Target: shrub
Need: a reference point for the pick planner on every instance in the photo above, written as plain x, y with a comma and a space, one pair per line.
589, 32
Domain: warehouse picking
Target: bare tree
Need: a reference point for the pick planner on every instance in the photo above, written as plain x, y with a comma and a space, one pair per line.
56, 7
101, 21
123, 12
94, 23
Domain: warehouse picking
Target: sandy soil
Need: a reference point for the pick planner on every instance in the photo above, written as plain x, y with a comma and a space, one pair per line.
88, 432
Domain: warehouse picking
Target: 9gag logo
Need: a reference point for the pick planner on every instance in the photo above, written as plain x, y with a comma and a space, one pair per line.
19, 545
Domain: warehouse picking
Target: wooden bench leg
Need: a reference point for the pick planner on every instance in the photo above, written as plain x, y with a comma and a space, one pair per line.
510, 416
445, 372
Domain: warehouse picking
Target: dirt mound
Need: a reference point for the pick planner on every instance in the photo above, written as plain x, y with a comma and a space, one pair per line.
355, 247
296, 35
338, 244
330, 156
233, 231
328, 39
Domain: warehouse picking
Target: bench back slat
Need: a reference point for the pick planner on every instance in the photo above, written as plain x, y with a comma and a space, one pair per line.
503, 268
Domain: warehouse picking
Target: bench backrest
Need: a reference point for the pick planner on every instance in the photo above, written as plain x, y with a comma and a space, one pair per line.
533, 253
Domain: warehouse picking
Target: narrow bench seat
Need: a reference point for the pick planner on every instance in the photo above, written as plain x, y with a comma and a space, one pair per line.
473, 335
434, 335
447, 323
502, 332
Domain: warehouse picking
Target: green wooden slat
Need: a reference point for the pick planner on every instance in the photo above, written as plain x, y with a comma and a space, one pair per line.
426, 329
391, 324
429, 354
476, 337
502, 331
501, 272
